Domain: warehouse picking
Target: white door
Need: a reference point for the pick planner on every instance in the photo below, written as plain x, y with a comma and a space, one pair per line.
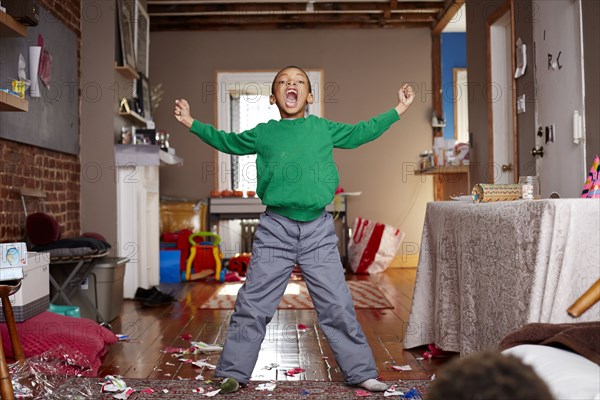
560, 94
500, 98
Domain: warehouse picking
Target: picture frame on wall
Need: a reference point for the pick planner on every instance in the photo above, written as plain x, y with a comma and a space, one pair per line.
125, 21
141, 38
144, 96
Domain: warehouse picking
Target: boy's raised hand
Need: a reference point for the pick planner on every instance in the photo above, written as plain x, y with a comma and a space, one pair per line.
182, 113
406, 95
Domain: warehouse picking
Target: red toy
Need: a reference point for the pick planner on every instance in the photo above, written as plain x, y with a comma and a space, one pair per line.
240, 263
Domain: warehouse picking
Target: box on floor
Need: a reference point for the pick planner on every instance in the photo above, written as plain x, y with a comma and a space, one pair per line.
34, 296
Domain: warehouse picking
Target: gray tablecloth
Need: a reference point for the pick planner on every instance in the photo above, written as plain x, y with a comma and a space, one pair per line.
485, 270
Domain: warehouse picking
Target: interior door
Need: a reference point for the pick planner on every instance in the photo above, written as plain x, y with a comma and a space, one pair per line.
560, 97
500, 98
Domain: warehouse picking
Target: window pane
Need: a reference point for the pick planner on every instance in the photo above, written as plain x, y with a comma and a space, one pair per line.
248, 111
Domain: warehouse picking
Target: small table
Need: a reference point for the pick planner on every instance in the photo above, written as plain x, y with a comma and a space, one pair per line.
486, 270
226, 208
448, 181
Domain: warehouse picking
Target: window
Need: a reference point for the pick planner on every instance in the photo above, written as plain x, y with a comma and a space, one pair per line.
247, 111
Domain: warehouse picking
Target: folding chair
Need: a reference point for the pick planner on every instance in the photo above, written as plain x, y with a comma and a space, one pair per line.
84, 261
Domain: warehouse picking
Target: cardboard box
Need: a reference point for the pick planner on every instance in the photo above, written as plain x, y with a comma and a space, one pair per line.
34, 296
12, 259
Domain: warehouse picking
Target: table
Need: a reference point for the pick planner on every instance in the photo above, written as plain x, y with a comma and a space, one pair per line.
228, 208
486, 270
251, 207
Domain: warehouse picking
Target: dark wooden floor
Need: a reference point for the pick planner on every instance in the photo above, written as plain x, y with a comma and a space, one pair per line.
153, 329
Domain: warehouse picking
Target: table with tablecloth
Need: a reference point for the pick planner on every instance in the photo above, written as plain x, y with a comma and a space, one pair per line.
486, 270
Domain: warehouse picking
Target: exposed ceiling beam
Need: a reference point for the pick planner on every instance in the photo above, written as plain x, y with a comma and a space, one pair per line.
201, 15
445, 16
163, 6
288, 22
388, 11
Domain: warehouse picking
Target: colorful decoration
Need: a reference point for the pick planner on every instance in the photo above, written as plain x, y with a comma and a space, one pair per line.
591, 188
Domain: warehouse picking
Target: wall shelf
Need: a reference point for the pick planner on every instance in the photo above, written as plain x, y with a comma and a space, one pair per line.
10, 27
446, 169
127, 71
169, 159
133, 116
10, 102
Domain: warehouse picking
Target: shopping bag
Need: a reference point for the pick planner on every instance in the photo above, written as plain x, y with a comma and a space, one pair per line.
373, 246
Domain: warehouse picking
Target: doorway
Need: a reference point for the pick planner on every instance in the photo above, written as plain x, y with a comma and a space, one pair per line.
501, 99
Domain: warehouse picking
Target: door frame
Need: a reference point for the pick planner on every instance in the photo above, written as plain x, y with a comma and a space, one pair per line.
507, 7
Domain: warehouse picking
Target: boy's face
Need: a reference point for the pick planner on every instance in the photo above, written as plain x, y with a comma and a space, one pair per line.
291, 93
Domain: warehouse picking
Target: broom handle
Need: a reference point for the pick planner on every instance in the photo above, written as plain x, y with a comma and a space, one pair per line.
587, 300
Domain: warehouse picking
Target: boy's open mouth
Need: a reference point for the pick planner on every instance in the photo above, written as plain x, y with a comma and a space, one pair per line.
291, 97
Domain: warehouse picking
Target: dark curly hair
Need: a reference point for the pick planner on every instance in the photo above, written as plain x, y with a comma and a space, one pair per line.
488, 375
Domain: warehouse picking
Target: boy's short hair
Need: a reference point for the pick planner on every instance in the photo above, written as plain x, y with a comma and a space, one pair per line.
291, 66
488, 375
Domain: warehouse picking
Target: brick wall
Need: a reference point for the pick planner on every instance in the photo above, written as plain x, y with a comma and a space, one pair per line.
57, 174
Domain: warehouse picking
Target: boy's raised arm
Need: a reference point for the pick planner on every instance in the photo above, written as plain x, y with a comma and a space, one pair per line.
227, 142
406, 95
182, 113
349, 136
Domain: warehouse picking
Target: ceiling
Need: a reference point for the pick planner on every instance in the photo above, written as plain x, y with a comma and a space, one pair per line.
185, 15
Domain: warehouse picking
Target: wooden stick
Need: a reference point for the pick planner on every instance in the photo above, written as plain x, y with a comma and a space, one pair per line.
587, 300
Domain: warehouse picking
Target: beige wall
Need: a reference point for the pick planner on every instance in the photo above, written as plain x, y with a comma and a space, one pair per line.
366, 66
97, 141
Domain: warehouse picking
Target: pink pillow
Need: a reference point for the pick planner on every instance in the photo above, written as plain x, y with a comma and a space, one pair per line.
42, 228
78, 336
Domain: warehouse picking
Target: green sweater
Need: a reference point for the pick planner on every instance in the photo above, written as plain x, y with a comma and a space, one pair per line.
297, 176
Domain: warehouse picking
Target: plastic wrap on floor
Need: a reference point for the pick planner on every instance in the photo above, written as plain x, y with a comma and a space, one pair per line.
53, 375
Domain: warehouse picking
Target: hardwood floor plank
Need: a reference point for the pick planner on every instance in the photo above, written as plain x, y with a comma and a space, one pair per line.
286, 346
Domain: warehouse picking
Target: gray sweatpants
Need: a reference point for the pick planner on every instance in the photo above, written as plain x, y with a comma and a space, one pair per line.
279, 244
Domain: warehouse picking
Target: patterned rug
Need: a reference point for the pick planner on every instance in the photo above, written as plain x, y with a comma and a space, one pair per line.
90, 388
364, 295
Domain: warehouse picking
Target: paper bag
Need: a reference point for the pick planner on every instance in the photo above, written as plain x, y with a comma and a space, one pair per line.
373, 246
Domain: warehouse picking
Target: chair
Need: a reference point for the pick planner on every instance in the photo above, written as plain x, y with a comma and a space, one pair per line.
8, 288
82, 252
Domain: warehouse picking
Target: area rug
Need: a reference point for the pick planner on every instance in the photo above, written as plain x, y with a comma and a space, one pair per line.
364, 295
89, 388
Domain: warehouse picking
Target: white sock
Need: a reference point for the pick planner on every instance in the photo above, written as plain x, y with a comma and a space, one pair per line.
373, 385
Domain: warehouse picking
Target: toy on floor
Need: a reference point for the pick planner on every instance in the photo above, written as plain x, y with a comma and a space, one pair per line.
240, 263
206, 256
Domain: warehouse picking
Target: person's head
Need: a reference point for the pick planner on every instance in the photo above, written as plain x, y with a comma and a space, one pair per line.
291, 92
488, 375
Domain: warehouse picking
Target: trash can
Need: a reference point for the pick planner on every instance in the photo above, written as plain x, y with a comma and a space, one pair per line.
103, 287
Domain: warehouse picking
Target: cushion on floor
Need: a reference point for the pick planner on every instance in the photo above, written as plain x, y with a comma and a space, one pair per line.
48, 330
